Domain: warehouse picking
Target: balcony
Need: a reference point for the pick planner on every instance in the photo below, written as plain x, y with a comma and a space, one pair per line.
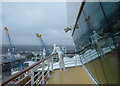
74, 75
47, 72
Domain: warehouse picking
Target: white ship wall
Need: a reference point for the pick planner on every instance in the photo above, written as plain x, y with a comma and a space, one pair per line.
0, 25
72, 12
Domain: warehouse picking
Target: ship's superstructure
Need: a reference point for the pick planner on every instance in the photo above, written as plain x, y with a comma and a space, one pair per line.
97, 37
96, 34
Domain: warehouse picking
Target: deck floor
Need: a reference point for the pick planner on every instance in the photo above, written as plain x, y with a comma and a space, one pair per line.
75, 75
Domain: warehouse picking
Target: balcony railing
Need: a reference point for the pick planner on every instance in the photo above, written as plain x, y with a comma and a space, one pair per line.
40, 72
37, 73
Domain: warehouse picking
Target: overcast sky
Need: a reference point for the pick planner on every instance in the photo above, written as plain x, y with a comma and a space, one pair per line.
25, 19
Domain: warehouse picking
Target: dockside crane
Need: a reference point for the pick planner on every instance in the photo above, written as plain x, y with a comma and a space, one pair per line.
44, 48
11, 51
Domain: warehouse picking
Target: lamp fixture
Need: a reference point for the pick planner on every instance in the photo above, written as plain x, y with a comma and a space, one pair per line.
68, 29
87, 19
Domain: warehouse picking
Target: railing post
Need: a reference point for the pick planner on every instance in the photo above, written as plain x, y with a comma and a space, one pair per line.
52, 63
75, 61
80, 60
84, 59
43, 73
32, 77
48, 68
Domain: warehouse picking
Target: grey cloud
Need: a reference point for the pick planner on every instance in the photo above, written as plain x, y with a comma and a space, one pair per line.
25, 19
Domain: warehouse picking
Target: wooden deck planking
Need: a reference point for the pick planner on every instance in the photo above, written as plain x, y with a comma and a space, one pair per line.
75, 75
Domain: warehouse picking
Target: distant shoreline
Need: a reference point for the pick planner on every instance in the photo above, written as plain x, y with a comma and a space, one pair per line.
32, 48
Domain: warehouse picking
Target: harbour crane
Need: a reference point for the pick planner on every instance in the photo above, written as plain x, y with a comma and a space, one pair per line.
11, 50
44, 48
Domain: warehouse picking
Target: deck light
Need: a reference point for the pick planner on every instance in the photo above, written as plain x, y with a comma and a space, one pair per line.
5, 28
68, 29
38, 35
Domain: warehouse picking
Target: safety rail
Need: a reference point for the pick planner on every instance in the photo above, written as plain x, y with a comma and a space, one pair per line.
37, 73
74, 61
92, 54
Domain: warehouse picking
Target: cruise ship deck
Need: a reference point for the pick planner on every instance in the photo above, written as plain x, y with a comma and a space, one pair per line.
74, 75
95, 60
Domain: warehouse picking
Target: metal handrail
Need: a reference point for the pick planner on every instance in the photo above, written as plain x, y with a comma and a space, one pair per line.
12, 77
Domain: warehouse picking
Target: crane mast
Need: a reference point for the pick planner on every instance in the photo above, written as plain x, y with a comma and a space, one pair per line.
42, 44
11, 49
